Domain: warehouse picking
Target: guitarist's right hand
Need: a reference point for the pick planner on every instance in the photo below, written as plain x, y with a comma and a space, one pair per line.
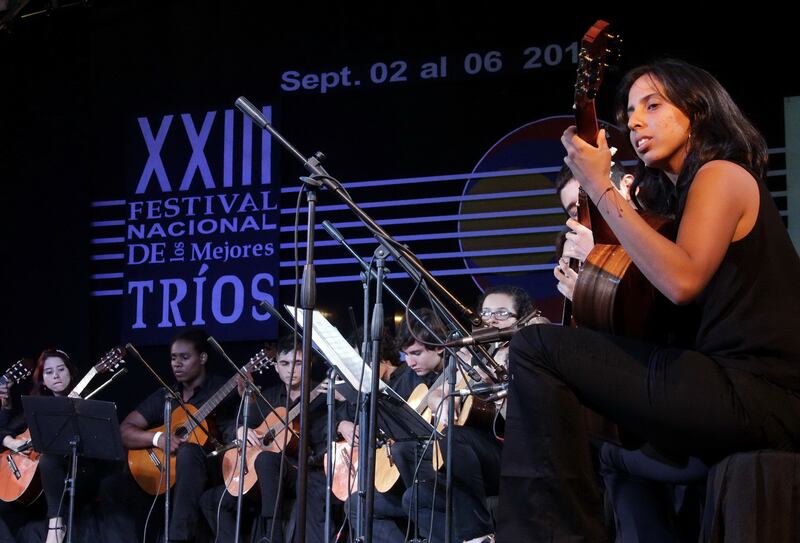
174, 443
253, 438
348, 431
14, 444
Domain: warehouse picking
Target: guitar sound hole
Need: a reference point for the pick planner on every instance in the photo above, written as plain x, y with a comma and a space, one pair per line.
181, 433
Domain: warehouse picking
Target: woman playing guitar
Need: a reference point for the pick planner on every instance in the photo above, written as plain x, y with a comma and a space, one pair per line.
732, 259
54, 375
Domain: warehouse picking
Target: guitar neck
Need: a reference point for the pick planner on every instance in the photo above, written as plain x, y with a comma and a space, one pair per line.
586, 122
295, 411
82, 384
212, 403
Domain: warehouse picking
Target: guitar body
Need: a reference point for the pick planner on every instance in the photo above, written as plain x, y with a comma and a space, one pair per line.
345, 470
146, 465
275, 438
418, 395
230, 470
474, 412
612, 295
18, 475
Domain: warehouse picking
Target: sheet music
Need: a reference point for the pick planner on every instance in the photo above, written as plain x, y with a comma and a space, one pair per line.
338, 351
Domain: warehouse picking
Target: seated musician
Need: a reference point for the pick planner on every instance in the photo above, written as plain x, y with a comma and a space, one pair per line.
476, 451
705, 163
13, 515
478, 462
277, 473
388, 508
54, 375
123, 500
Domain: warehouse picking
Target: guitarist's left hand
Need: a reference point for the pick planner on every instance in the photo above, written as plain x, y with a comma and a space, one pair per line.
323, 389
579, 242
566, 278
590, 165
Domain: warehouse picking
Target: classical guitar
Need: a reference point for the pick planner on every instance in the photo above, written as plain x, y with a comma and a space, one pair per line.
345, 471
593, 61
279, 431
147, 465
18, 469
611, 294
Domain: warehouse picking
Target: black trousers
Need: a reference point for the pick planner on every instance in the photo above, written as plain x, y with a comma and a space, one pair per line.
219, 507
53, 471
476, 469
680, 401
388, 511
125, 505
652, 499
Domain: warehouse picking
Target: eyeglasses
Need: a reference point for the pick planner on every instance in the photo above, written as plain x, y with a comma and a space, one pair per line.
498, 314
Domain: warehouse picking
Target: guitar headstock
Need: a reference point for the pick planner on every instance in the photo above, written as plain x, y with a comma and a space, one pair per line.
112, 360
599, 50
17, 373
259, 362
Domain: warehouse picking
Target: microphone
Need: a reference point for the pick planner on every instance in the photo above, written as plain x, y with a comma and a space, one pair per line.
332, 231
236, 443
482, 389
244, 105
492, 333
484, 335
499, 396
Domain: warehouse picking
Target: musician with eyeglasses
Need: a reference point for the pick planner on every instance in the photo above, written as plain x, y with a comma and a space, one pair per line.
476, 449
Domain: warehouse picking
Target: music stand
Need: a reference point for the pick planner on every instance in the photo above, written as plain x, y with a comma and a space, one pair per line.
396, 418
61, 426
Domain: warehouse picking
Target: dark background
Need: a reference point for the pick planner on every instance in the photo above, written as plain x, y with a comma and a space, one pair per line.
71, 81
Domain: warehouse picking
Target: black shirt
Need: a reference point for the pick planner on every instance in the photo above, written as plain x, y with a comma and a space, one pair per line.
12, 423
152, 408
404, 380
748, 310
318, 417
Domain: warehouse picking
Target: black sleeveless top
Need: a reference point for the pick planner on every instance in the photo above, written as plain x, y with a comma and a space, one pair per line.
748, 311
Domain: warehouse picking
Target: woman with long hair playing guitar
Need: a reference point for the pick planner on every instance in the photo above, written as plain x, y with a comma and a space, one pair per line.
54, 375
732, 260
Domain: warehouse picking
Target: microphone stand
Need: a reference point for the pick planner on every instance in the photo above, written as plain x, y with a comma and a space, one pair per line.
478, 350
331, 395
363, 421
168, 394
308, 299
451, 413
404, 257
249, 390
376, 335
168, 461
